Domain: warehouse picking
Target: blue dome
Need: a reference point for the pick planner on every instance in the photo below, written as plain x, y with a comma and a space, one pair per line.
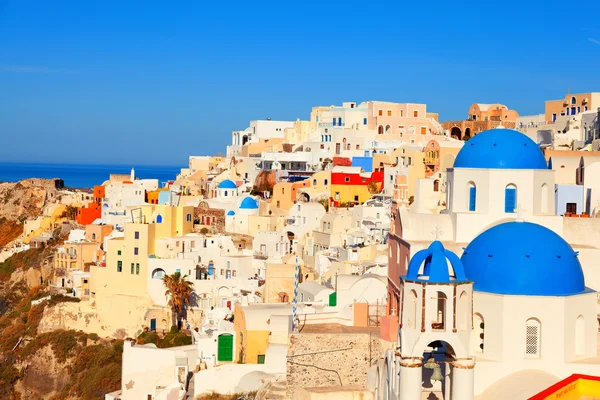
500, 148
521, 258
230, 212
435, 269
227, 184
249, 203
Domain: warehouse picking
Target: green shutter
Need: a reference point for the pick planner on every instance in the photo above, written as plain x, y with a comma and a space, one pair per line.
225, 348
261, 359
333, 299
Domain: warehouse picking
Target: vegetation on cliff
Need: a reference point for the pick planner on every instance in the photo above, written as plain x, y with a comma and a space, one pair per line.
63, 364
172, 339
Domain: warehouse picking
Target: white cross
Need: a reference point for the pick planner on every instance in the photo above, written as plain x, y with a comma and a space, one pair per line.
520, 211
437, 232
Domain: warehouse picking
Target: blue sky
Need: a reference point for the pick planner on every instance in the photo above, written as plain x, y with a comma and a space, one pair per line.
153, 82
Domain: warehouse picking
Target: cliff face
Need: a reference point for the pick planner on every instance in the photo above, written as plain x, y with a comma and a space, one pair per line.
25, 199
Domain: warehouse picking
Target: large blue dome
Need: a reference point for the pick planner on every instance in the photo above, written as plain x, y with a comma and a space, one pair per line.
227, 184
249, 203
500, 148
521, 258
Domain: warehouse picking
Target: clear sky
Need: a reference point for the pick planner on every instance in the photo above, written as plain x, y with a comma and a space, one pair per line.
153, 82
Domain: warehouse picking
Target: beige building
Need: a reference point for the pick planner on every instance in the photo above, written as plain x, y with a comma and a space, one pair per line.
280, 280
571, 105
75, 255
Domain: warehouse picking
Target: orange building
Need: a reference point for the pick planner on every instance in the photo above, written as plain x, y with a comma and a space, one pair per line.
481, 117
87, 215
99, 193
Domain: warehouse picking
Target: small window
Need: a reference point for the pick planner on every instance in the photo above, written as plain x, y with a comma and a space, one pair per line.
233, 273
532, 338
132, 268
355, 198
325, 182
119, 266
189, 217
389, 113
364, 121
93, 236
380, 113
347, 179
137, 269
137, 235
222, 272
118, 252
415, 114
135, 251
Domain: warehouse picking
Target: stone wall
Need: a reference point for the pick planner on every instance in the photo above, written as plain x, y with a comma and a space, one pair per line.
342, 359
203, 213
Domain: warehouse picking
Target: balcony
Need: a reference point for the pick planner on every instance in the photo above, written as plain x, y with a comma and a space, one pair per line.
259, 255
329, 124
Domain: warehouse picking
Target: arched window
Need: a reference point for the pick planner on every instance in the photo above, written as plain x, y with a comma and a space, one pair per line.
188, 217
436, 185
580, 336
388, 129
314, 182
158, 273
533, 338
472, 196
329, 138
159, 219
411, 310
93, 236
380, 130
325, 182
438, 322
477, 338
573, 100
463, 311
233, 273
225, 193
510, 198
544, 196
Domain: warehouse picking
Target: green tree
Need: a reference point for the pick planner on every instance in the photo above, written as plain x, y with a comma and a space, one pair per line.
178, 291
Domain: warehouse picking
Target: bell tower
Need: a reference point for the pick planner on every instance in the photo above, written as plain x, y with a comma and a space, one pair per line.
435, 324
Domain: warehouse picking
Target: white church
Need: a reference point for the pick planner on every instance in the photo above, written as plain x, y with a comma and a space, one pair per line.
512, 315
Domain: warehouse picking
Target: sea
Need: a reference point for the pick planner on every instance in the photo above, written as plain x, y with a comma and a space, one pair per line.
83, 176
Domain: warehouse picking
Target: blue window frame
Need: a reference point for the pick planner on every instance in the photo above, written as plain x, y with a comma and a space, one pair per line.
364, 121
334, 121
510, 199
339, 121
472, 198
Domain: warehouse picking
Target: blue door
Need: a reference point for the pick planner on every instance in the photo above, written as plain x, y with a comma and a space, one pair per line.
153, 324
510, 200
472, 198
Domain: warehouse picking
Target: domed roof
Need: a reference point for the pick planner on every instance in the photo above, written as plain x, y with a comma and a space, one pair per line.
435, 268
249, 203
500, 148
521, 258
227, 184
231, 212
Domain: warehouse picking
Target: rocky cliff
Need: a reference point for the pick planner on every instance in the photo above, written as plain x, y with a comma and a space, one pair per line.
25, 199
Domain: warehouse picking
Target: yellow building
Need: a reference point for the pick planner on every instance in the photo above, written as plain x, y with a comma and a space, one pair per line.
120, 287
280, 280
254, 330
299, 133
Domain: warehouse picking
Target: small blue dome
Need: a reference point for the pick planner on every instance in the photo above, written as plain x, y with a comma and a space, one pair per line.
436, 269
227, 184
249, 203
521, 258
500, 148
230, 212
